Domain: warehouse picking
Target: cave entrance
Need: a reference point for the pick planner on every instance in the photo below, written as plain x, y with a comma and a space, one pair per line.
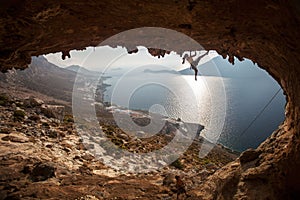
253, 99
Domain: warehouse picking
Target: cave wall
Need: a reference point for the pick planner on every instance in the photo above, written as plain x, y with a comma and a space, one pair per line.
266, 32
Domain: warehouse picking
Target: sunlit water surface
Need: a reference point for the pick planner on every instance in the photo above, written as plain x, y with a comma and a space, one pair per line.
225, 106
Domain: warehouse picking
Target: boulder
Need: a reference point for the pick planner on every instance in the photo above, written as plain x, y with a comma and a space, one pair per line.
249, 155
5, 130
17, 138
53, 111
33, 102
42, 172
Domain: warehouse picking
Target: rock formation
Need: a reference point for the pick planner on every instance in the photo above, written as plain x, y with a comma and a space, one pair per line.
266, 32
44, 158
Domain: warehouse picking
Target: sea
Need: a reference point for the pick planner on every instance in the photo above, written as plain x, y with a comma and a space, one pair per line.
237, 112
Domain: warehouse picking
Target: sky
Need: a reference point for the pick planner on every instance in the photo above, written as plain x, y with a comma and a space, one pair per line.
105, 58
99, 58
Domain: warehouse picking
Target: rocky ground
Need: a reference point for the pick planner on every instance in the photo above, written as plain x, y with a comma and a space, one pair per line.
43, 157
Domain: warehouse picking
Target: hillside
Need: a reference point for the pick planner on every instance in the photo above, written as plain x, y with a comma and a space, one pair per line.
39, 151
48, 79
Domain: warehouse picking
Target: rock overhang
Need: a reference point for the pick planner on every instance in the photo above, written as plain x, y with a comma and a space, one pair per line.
267, 32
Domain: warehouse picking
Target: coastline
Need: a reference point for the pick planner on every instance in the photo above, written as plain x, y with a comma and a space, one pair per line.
37, 141
145, 114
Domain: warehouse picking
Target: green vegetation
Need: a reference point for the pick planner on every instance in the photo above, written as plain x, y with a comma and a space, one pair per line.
19, 115
3, 100
177, 164
68, 118
205, 161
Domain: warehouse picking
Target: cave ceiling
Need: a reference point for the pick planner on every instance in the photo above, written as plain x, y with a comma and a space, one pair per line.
253, 29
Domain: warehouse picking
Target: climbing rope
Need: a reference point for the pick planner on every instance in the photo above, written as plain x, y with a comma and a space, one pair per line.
260, 113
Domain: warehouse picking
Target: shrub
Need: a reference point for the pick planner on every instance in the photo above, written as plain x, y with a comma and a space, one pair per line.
68, 119
177, 164
205, 161
3, 100
19, 115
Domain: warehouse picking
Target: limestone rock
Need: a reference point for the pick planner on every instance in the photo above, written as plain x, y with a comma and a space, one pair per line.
33, 102
249, 155
54, 149
15, 138
53, 111
42, 172
5, 130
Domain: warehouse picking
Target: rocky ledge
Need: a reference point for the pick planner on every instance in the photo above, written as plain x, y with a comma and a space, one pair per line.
43, 157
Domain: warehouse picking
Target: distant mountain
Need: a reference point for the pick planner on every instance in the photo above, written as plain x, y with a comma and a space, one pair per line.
188, 71
222, 68
74, 68
46, 78
241, 69
160, 71
49, 79
82, 70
